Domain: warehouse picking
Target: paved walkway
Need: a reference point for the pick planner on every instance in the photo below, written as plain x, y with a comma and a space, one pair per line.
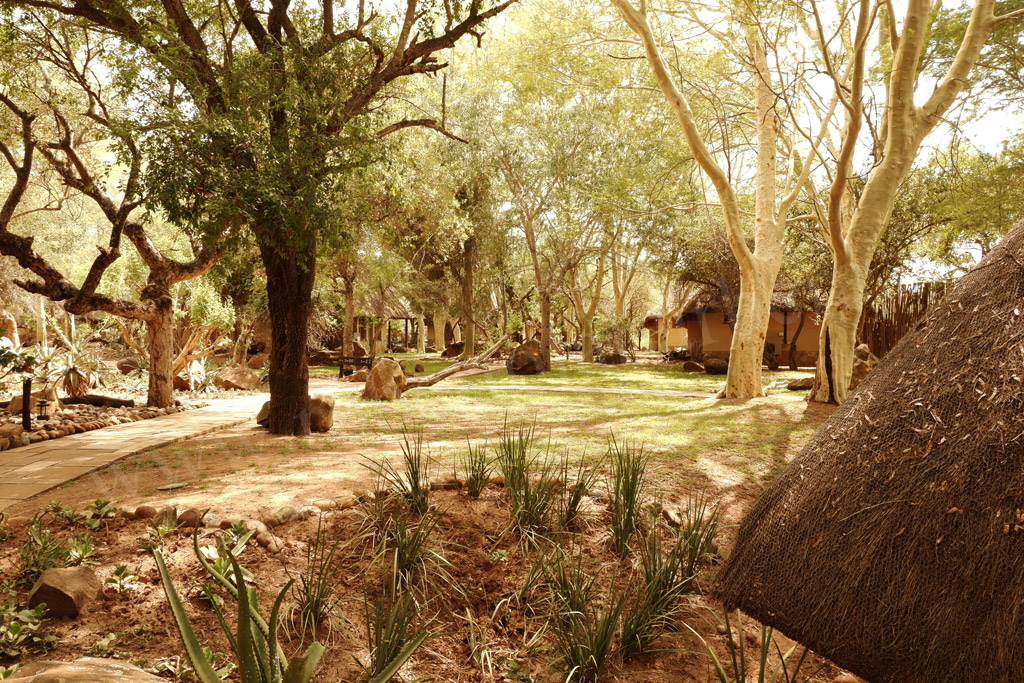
29, 470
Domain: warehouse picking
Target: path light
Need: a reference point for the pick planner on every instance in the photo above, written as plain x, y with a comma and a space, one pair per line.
42, 406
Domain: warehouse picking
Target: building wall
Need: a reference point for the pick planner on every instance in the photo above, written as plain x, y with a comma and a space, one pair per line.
712, 335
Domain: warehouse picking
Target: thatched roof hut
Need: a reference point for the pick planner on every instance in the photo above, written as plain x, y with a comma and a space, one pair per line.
894, 543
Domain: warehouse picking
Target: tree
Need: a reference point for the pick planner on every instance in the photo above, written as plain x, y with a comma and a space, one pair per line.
269, 108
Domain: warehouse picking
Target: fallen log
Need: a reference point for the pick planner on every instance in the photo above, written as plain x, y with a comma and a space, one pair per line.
471, 364
97, 400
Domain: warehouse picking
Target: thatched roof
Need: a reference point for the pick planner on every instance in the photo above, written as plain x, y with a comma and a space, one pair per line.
894, 543
708, 300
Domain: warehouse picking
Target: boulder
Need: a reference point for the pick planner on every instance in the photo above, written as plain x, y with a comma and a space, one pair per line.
11, 431
180, 383
399, 349
386, 381
190, 518
677, 354
263, 417
49, 393
692, 366
258, 361
715, 366
526, 359
126, 365
357, 350
66, 592
419, 368
453, 350
611, 357
85, 670
359, 376
801, 384
237, 377
321, 412
863, 363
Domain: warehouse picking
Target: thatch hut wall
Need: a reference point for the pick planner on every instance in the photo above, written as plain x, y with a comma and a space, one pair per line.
894, 543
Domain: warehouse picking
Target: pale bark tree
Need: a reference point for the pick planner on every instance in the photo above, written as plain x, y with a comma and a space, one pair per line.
759, 266
585, 294
854, 235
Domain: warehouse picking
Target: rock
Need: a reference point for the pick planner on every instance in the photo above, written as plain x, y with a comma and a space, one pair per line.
801, 384
715, 366
453, 350
237, 377
126, 365
863, 363
166, 517
326, 504
50, 394
498, 479
357, 350
5, 443
256, 526
321, 412
66, 592
399, 349
359, 376
211, 521
347, 502
419, 368
365, 495
180, 383
283, 515
672, 517
446, 483
85, 670
269, 541
611, 357
190, 518
526, 359
263, 417
11, 431
145, 512
307, 511
692, 366
386, 381
847, 678
258, 361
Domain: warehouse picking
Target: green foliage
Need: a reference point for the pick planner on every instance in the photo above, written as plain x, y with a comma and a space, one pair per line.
531, 482
476, 469
104, 646
21, 630
738, 656
42, 550
576, 483
315, 594
13, 361
391, 636
254, 642
100, 510
414, 485
153, 539
663, 582
121, 579
697, 534
629, 488
58, 510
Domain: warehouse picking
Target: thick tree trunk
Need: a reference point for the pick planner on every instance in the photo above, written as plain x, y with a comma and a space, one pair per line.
160, 335
421, 334
440, 322
289, 298
545, 328
587, 338
839, 335
747, 349
469, 337
793, 361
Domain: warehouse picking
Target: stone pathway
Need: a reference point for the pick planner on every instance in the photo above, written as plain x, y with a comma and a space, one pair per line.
29, 470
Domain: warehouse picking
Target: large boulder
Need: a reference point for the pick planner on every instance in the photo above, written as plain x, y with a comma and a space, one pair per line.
611, 357
359, 376
801, 384
263, 417
454, 350
180, 383
85, 670
692, 366
526, 359
357, 350
256, 362
237, 377
863, 363
49, 393
66, 592
715, 366
386, 381
321, 412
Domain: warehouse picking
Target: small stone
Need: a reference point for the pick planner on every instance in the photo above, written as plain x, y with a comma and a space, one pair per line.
672, 517
11, 430
66, 592
227, 523
145, 512
211, 521
166, 517
84, 670
722, 630
34, 437
283, 515
5, 443
172, 487
498, 479
325, 504
307, 511
190, 518
126, 513
419, 368
365, 496
269, 541
447, 483
847, 678
256, 526
347, 502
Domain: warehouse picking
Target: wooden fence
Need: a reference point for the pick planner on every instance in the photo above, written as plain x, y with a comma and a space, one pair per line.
893, 315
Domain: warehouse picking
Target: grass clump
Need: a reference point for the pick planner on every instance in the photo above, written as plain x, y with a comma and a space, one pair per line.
781, 673
315, 591
530, 480
414, 484
476, 467
629, 487
662, 583
578, 480
698, 531
391, 636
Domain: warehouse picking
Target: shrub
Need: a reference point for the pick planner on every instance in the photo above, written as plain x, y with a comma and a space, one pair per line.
530, 480
629, 485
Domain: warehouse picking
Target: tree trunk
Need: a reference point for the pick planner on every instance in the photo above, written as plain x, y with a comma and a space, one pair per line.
469, 337
289, 297
545, 328
793, 363
747, 349
160, 335
839, 335
587, 338
11, 327
421, 334
440, 320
